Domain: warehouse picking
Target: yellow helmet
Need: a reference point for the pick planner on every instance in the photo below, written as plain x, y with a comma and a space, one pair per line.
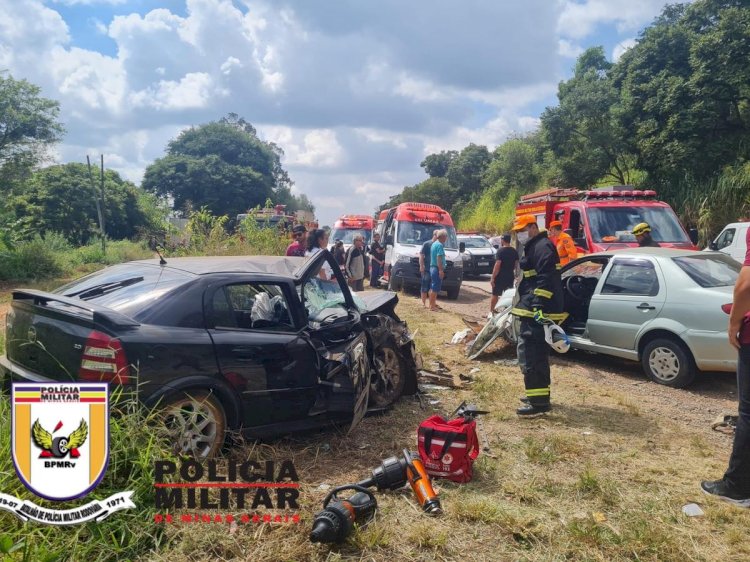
641, 228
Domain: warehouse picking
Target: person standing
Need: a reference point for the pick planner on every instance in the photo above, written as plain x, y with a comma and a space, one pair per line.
299, 236
377, 258
355, 263
540, 301
339, 254
424, 267
734, 487
437, 267
642, 233
563, 241
317, 241
503, 274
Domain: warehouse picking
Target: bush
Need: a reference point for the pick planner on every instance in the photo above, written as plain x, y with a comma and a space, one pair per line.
493, 212
31, 260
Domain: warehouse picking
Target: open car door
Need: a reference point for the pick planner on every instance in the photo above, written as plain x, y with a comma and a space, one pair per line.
334, 327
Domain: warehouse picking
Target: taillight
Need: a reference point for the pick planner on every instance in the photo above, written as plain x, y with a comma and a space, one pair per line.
727, 308
104, 360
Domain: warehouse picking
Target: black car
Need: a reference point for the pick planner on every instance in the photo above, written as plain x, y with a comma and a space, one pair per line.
257, 344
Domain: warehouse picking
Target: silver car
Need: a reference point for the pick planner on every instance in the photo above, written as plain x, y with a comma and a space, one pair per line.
666, 308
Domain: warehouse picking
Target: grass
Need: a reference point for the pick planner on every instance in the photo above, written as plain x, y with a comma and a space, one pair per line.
602, 478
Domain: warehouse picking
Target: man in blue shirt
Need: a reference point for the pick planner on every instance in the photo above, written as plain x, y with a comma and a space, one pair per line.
437, 267
424, 267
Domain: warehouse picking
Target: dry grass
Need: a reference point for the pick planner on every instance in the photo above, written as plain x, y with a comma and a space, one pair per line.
599, 479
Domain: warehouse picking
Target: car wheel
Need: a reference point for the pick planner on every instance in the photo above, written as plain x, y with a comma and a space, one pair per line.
394, 284
195, 422
453, 293
667, 362
389, 378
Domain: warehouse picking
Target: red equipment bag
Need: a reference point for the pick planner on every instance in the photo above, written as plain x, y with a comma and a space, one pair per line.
448, 448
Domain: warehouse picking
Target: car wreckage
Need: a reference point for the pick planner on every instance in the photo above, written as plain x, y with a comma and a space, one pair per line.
261, 345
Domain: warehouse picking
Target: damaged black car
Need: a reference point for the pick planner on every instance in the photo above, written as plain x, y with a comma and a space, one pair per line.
261, 345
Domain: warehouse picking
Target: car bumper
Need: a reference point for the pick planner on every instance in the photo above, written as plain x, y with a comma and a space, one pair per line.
407, 274
478, 267
711, 350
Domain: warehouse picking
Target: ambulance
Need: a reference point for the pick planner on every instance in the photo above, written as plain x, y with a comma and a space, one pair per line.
602, 219
405, 229
347, 226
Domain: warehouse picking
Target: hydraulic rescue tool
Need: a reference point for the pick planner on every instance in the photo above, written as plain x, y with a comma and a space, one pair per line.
337, 519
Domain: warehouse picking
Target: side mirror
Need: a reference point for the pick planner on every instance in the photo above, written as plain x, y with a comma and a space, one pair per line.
461, 247
693, 234
712, 246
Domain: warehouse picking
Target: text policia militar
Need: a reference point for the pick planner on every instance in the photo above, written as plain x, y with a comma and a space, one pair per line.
225, 485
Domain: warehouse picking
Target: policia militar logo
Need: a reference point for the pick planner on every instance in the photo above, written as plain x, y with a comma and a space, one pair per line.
60, 448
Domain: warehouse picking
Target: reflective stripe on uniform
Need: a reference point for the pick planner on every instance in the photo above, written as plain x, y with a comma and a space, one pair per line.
533, 392
558, 266
522, 312
557, 316
529, 273
543, 293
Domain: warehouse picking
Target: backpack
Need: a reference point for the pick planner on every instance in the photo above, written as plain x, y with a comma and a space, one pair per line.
448, 448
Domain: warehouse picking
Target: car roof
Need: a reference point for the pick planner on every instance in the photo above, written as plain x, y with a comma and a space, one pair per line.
204, 265
650, 251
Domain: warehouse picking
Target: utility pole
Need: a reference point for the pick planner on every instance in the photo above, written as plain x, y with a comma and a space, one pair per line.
99, 202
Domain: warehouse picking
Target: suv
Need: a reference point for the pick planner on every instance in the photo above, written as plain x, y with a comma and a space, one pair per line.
479, 256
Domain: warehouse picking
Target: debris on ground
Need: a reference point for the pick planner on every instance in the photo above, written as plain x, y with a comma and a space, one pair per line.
474, 370
475, 326
467, 378
461, 336
692, 510
426, 388
324, 487
440, 379
725, 423
507, 362
598, 516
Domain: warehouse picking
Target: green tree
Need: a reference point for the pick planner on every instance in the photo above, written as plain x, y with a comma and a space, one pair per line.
685, 90
584, 131
28, 126
436, 165
437, 191
466, 170
516, 164
61, 198
222, 166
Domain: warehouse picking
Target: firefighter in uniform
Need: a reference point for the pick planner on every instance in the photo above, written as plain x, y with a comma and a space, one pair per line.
642, 233
540, 300
563, 241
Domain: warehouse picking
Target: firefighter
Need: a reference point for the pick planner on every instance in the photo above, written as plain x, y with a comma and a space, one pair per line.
540, 300
566, 248
642, 233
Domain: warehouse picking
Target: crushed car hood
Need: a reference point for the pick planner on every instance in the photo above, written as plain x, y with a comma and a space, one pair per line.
376, 300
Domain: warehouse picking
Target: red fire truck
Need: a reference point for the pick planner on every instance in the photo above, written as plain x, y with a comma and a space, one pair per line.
602, 219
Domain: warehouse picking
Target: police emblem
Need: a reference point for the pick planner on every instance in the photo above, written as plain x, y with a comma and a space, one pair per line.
60, 437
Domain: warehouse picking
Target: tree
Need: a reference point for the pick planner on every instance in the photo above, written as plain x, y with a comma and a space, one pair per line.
686, 90
61, 198
436, 165
515, 163
221, 165
28, 126
437, 191
466, 170
584, 130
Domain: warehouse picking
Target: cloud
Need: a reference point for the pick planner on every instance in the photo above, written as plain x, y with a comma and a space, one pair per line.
580, 19
621, 47
569, 50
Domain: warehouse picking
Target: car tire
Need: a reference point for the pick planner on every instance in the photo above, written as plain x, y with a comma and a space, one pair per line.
195, 422
389, 377
394, 284
668, 362
453, 292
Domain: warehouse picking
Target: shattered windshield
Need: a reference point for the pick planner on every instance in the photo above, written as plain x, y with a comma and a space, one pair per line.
614, 224
326, 298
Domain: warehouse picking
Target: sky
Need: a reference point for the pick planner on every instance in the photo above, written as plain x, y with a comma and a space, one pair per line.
355, 92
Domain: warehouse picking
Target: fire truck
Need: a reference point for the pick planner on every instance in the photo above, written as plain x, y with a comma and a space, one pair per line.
347, 226
602, 219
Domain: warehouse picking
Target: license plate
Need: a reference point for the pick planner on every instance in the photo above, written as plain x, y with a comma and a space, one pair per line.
483, 263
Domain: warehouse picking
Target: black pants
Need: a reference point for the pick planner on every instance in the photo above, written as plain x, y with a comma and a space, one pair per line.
738, 473
376, 272
533, 358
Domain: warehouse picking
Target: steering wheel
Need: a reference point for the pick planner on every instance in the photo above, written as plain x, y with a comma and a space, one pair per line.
575, 287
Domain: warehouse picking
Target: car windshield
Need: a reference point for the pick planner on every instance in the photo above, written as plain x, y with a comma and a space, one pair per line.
475, 242
417, 233
126, 288
710, 270
346, 235
614, 224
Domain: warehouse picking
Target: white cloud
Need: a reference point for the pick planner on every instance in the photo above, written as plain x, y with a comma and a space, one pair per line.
194, 90
621, 47
568, 50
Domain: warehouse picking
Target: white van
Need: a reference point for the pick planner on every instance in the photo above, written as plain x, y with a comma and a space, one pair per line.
731, 240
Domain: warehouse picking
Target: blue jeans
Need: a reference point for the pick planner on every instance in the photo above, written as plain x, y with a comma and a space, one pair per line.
425, 281
737, 475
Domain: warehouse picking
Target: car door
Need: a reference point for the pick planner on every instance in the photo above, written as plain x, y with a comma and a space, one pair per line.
261, 351
335, 329
630, 294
